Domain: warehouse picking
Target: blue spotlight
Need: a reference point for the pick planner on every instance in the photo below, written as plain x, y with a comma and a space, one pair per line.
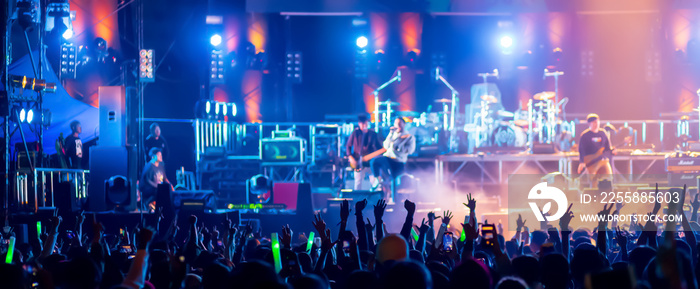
22, 115
506, 41
361, 42
215, 39
68, 34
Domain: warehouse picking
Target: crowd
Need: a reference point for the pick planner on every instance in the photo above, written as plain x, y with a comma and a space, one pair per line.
475, 255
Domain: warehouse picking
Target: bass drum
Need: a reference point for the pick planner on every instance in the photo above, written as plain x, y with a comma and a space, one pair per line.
508, 136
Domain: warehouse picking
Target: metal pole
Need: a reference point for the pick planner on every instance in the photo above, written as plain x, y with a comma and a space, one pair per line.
7, 49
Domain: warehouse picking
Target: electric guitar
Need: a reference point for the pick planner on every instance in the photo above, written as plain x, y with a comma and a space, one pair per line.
354, 164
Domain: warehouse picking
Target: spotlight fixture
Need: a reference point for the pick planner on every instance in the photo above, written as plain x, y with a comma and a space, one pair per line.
361, 42
146, 68
506, 41
216, 75
68, 61
215, 39
294, 66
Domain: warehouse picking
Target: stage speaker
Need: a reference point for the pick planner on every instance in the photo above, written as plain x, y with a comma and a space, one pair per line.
112, 116
194, 200
164, 199
66, 197
105, 162
543, 148
119, 194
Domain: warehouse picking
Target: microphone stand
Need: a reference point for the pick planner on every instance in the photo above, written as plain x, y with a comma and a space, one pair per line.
376, 100
453, 111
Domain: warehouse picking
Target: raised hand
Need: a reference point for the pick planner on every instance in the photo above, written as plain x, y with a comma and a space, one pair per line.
80, 218
618, 207
471, 203
566, 219
359, 206
319, 224
657, 204
326, 242
696, 202
409, 206
606, 210
424, 227
447, 217
471, 232
344, 210
379, 210
55, 223
621, 238
520, 223
286, 237
193, 220
431, 217
143, 238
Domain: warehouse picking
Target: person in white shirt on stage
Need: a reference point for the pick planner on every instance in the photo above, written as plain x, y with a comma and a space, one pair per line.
398, 144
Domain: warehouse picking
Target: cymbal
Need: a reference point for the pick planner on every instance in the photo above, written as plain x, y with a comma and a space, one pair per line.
545, 95
540, 104
489, 98
443, 100
505, 113
408, 113
389, 102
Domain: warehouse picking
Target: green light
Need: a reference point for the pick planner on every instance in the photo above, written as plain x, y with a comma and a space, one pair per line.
276, 252
310, 243
10, 251
38, 228
414, 234
462, 236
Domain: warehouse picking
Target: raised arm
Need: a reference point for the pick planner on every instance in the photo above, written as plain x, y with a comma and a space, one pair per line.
136, 278
360, 222
565, 231
408, 223
378, 219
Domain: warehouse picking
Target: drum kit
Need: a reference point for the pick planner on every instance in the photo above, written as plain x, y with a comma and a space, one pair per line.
491, 126
541, 122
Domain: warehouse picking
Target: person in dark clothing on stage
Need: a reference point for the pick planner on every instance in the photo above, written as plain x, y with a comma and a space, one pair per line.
595, 151
155, 140
74, 146
152, 176
361, 142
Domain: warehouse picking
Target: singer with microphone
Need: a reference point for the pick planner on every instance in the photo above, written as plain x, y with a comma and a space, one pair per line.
398, 144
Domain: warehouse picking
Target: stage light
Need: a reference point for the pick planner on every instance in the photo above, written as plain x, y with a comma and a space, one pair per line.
146, 67
294, 66
208, 107
215, 39
506, 41
22, 115
361, 42
234, 109
225, 108
68, 34
68, 61
30, 116
216, 75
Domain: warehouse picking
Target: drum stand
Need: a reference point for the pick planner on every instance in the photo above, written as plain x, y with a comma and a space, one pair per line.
554, 105
377, 120
453, 110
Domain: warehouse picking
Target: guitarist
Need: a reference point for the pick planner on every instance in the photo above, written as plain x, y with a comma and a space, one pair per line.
595, 151
361, 142
398, 144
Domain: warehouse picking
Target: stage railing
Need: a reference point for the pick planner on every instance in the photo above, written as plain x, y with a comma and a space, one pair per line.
43, 186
